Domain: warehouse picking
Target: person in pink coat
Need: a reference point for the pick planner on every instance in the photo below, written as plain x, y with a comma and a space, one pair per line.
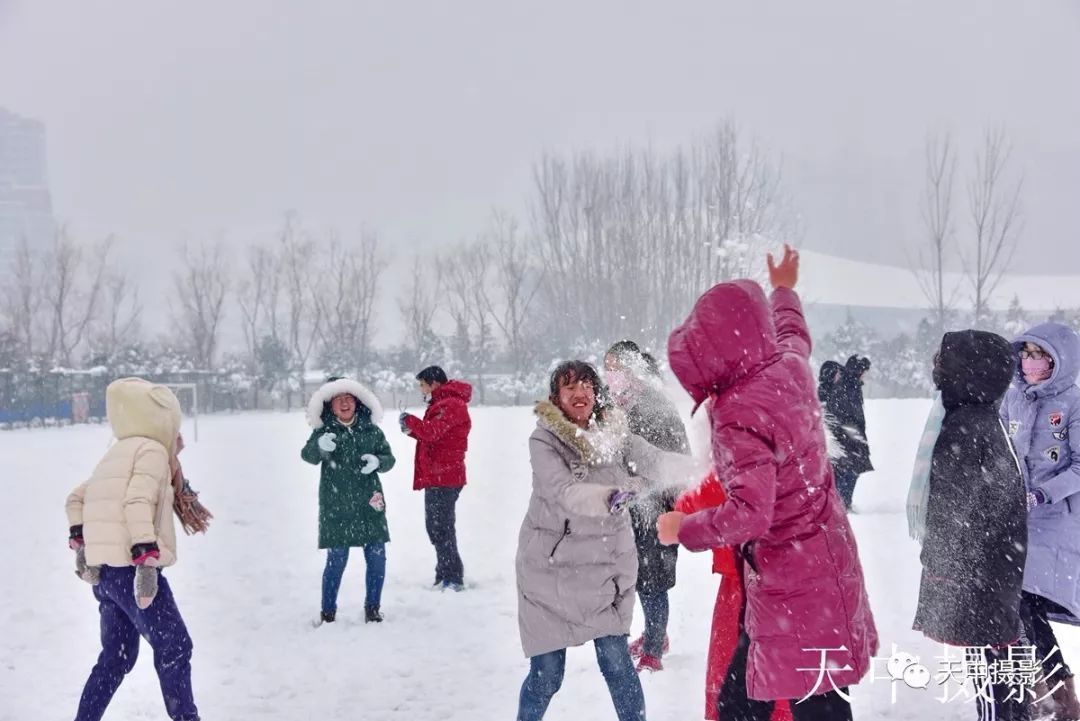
806, 604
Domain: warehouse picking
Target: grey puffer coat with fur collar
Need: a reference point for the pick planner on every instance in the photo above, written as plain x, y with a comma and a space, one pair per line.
577, 563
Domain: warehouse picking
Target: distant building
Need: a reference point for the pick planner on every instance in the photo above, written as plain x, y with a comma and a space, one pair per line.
25, 201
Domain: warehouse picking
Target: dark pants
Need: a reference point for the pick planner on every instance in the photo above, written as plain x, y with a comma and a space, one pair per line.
1001, 707
1033, 611
546, 676
655, 606
440, 511
845, 485
122, 624
735, 706
336, 561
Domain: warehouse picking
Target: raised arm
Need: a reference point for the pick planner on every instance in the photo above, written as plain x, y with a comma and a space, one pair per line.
791, 331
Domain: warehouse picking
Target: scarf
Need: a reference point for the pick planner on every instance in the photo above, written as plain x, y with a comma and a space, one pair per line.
919, 491
189, 510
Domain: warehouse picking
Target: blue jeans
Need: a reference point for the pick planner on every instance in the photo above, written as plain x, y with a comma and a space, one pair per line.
655, 606
546, 676
338, 558
123, 623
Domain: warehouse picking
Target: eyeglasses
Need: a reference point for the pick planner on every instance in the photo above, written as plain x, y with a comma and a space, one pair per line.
1033, 354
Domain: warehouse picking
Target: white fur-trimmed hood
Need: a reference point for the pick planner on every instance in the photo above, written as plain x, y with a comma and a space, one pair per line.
335, 388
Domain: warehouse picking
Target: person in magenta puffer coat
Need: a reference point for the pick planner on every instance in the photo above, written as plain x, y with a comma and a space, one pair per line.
804, 583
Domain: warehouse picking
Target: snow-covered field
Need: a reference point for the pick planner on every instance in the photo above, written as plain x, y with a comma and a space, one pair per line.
250, 588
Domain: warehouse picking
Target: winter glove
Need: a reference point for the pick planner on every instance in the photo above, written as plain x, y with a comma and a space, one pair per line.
403, 422
371, 464
326, 442
619, 500
377, 502
145, 557
1035, 498
90, 574
146, 585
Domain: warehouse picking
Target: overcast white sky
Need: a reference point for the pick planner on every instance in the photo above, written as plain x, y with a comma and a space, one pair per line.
177, 118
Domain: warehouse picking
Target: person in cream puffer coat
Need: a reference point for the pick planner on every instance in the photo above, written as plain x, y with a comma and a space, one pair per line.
121, 521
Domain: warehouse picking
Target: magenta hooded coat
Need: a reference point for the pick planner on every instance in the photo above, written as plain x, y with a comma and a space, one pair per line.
804, 584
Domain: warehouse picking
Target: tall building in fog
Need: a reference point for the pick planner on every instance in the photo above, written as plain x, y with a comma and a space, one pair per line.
25, 201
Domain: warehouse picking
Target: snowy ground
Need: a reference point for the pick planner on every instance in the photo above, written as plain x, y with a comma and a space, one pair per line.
250, 588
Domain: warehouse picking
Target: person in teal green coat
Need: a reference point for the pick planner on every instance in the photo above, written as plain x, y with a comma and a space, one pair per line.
351, 449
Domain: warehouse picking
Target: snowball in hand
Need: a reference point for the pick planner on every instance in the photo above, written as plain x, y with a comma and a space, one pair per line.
371, 464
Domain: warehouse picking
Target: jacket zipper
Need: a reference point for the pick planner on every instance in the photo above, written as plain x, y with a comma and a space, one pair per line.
565, 533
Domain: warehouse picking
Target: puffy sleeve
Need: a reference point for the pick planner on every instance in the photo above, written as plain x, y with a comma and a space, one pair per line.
792, 334
446, 417
149, 473
554, 481
747, 460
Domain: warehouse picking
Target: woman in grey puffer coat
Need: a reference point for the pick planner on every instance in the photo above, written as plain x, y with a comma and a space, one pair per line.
576, 561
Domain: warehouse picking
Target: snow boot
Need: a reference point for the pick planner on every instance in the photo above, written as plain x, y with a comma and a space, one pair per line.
1068, 705
456, 587
637, 647
328, 616
372, 615
649, 663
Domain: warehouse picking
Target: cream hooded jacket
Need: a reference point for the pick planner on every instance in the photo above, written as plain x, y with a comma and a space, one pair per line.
128, 499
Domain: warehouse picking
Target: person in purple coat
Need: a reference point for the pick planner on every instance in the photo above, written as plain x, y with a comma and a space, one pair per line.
1042, 414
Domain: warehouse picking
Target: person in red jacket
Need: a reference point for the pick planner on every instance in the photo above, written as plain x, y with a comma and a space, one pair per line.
809, 632
727, 622
442, 438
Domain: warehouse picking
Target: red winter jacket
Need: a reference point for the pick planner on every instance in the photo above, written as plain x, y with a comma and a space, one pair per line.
442, 437
804, 583
728, 610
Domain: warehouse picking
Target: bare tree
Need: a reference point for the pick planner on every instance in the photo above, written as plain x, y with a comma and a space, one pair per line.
121, 313
630, 240
933, 254
72, 285
350, 281
418, 310
517, 283
453, 271
464, 277
303, 321
994, 205
22, 298
201, 284
258, 296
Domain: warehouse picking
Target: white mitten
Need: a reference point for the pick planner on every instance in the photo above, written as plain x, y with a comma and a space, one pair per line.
371, 463
326, 442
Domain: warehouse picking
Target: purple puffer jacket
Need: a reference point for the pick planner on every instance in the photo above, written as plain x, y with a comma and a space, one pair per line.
1044, 423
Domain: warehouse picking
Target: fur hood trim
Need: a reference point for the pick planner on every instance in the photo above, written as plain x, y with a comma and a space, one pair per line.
326, 393
600, 444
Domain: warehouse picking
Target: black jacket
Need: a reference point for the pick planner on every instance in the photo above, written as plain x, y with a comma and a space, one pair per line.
843, 403
655, 418
975, 547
